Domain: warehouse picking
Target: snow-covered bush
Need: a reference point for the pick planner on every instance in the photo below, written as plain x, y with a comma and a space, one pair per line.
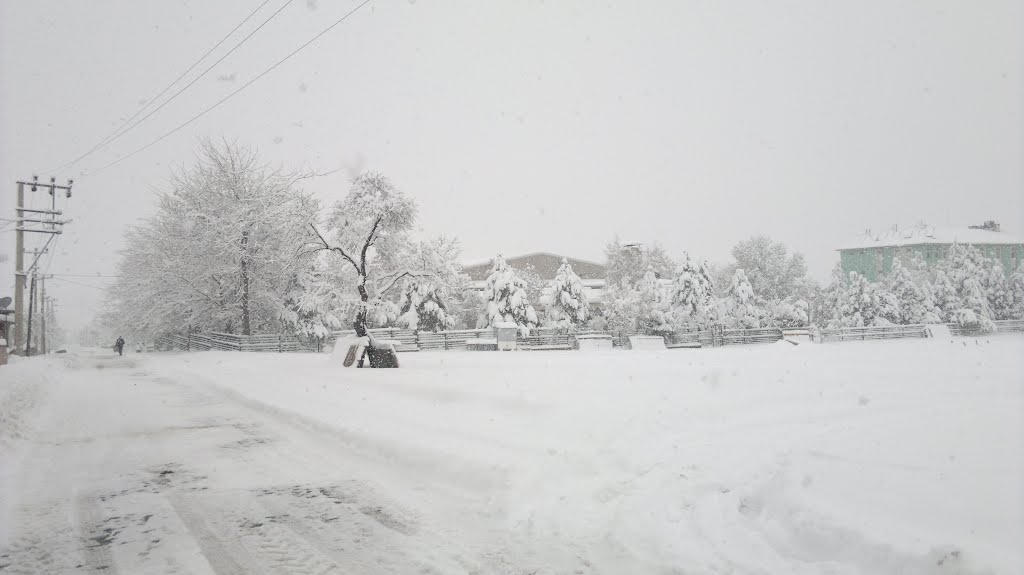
786, 314
505, 298
569, 306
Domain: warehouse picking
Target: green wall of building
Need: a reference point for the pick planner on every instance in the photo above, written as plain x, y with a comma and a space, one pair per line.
876, 262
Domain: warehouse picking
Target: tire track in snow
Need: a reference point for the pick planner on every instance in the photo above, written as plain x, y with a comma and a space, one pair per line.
245, 542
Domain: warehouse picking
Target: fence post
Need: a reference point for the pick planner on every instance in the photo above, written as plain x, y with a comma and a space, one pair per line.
188, 341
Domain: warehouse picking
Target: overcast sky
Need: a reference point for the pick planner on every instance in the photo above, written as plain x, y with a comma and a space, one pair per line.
541, 125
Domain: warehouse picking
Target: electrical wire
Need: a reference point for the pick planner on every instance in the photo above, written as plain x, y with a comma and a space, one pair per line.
232, 94
60, 279
118, 132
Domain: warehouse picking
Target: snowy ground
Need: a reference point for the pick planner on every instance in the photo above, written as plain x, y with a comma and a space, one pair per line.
868, 458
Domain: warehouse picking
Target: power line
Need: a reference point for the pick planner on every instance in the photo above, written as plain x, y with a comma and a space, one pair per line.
104, 288
232, 94
86, 276
118, 132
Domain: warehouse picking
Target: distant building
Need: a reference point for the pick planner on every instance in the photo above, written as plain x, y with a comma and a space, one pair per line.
871, 254
545, 265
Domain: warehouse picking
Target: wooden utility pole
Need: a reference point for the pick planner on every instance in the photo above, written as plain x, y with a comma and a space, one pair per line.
52, 226
31, 306
19, 270
42, 316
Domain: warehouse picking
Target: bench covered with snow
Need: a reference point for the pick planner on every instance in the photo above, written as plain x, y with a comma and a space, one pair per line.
646, 342
482, 344
592, 341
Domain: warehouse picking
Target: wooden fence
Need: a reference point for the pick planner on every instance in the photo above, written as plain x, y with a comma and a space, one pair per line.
905, 331
552, 338
865, 333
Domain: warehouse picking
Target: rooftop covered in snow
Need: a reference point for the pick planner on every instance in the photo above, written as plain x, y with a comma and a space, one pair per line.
924, 234
544, 263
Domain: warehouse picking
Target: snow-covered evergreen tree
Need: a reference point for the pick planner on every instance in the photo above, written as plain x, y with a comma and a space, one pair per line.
312, 303
432, 303
997, 290
422, 308
826, 314
569, 306
867, 304
654, 308
738, 307
915, 304
693, 295
1017, 292
943, 293
965, 267
505, 298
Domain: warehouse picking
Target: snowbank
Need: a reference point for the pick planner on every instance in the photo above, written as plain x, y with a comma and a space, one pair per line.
874, 457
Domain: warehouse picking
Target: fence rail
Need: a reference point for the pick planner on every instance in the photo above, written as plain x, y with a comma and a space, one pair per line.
865, 333
555, 338
911, 331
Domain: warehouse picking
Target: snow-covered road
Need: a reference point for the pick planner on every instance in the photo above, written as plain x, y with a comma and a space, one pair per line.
860, 458
132, 472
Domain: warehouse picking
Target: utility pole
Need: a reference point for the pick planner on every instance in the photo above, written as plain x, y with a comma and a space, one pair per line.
19, 269
42, 316
31, 306
51, 226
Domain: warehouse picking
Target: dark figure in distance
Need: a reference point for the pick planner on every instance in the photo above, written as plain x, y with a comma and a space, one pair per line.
119, 345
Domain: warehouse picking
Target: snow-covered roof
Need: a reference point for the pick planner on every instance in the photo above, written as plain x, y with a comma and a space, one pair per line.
919, 235
546, 264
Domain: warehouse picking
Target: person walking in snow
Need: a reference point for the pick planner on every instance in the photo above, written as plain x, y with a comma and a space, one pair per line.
119, 345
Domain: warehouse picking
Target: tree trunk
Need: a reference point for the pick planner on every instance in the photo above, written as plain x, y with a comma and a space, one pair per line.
246, 326
360, 322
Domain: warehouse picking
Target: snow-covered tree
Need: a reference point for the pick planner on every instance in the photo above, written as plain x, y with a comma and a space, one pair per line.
997, 290
569, 306
773, 273
915, 304
219, 254
505, 298
1017, 292
867, 304
654, 307
738, 309
627, 264
944, 294
965, 268
826, 312
369, 231
693, 295
431, 304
